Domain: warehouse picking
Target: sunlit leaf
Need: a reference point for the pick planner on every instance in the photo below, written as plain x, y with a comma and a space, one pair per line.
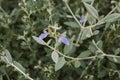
68, 49
55, 56
91, 10
86, 0
114, 59
8, 56
19, 66
72, 24
60, 63
40, 41
85, 53
113, 17
100, 44
92, 48
77, 64
117, 51
86, 33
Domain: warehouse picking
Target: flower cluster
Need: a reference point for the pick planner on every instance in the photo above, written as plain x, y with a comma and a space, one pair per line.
62, 38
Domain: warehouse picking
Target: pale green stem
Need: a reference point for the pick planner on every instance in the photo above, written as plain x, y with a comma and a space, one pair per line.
81, 27
103, 53
87, 13
69, 56
73, 15
102, 20
19, 69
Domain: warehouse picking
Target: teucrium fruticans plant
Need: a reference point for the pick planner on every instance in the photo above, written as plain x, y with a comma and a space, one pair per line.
85, 32
79, 39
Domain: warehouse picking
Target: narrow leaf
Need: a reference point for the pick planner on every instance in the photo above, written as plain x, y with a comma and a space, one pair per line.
117, 51
113, 17
100, 44
92, 48
55, 56
86, 33
86, 0
60, 63
18, 65
85, 53
72, 24
69, 49
40, 41
8, 56
114, 59
91, 10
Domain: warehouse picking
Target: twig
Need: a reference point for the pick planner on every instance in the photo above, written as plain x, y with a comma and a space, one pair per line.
103, 53
86, 58
87, 67
102, 20
87, 13
81, 27
73, 15
7, 75
19, 69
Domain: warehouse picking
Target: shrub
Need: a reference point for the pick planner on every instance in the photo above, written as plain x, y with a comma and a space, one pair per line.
59, 40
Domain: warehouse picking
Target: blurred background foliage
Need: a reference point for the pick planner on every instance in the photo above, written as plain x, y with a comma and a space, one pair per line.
21, 19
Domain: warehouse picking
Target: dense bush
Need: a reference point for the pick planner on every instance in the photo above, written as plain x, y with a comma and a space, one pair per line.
59, 39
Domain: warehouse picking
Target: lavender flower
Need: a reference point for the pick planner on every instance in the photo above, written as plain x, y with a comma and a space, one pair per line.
63, 39
43, 35
83, 19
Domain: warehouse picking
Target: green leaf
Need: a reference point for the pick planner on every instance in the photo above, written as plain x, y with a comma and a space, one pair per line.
19, 66
86, 33
91, 20
92, 48
1, 77
48, 51
96, 32
55, 56
8, 56
77, 64
91, 10
4, 59
72, 24
65, 0
86, 0
85, 53
114, 59
100, 44
60, 63
40, 41
112, 65
113, 17
69, 49
101, 73
117, 51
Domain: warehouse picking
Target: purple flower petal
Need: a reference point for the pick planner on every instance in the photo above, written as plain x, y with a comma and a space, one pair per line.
63, 39
83, 19
43, 35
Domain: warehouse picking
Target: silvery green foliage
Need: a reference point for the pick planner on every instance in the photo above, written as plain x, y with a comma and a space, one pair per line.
59, 39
